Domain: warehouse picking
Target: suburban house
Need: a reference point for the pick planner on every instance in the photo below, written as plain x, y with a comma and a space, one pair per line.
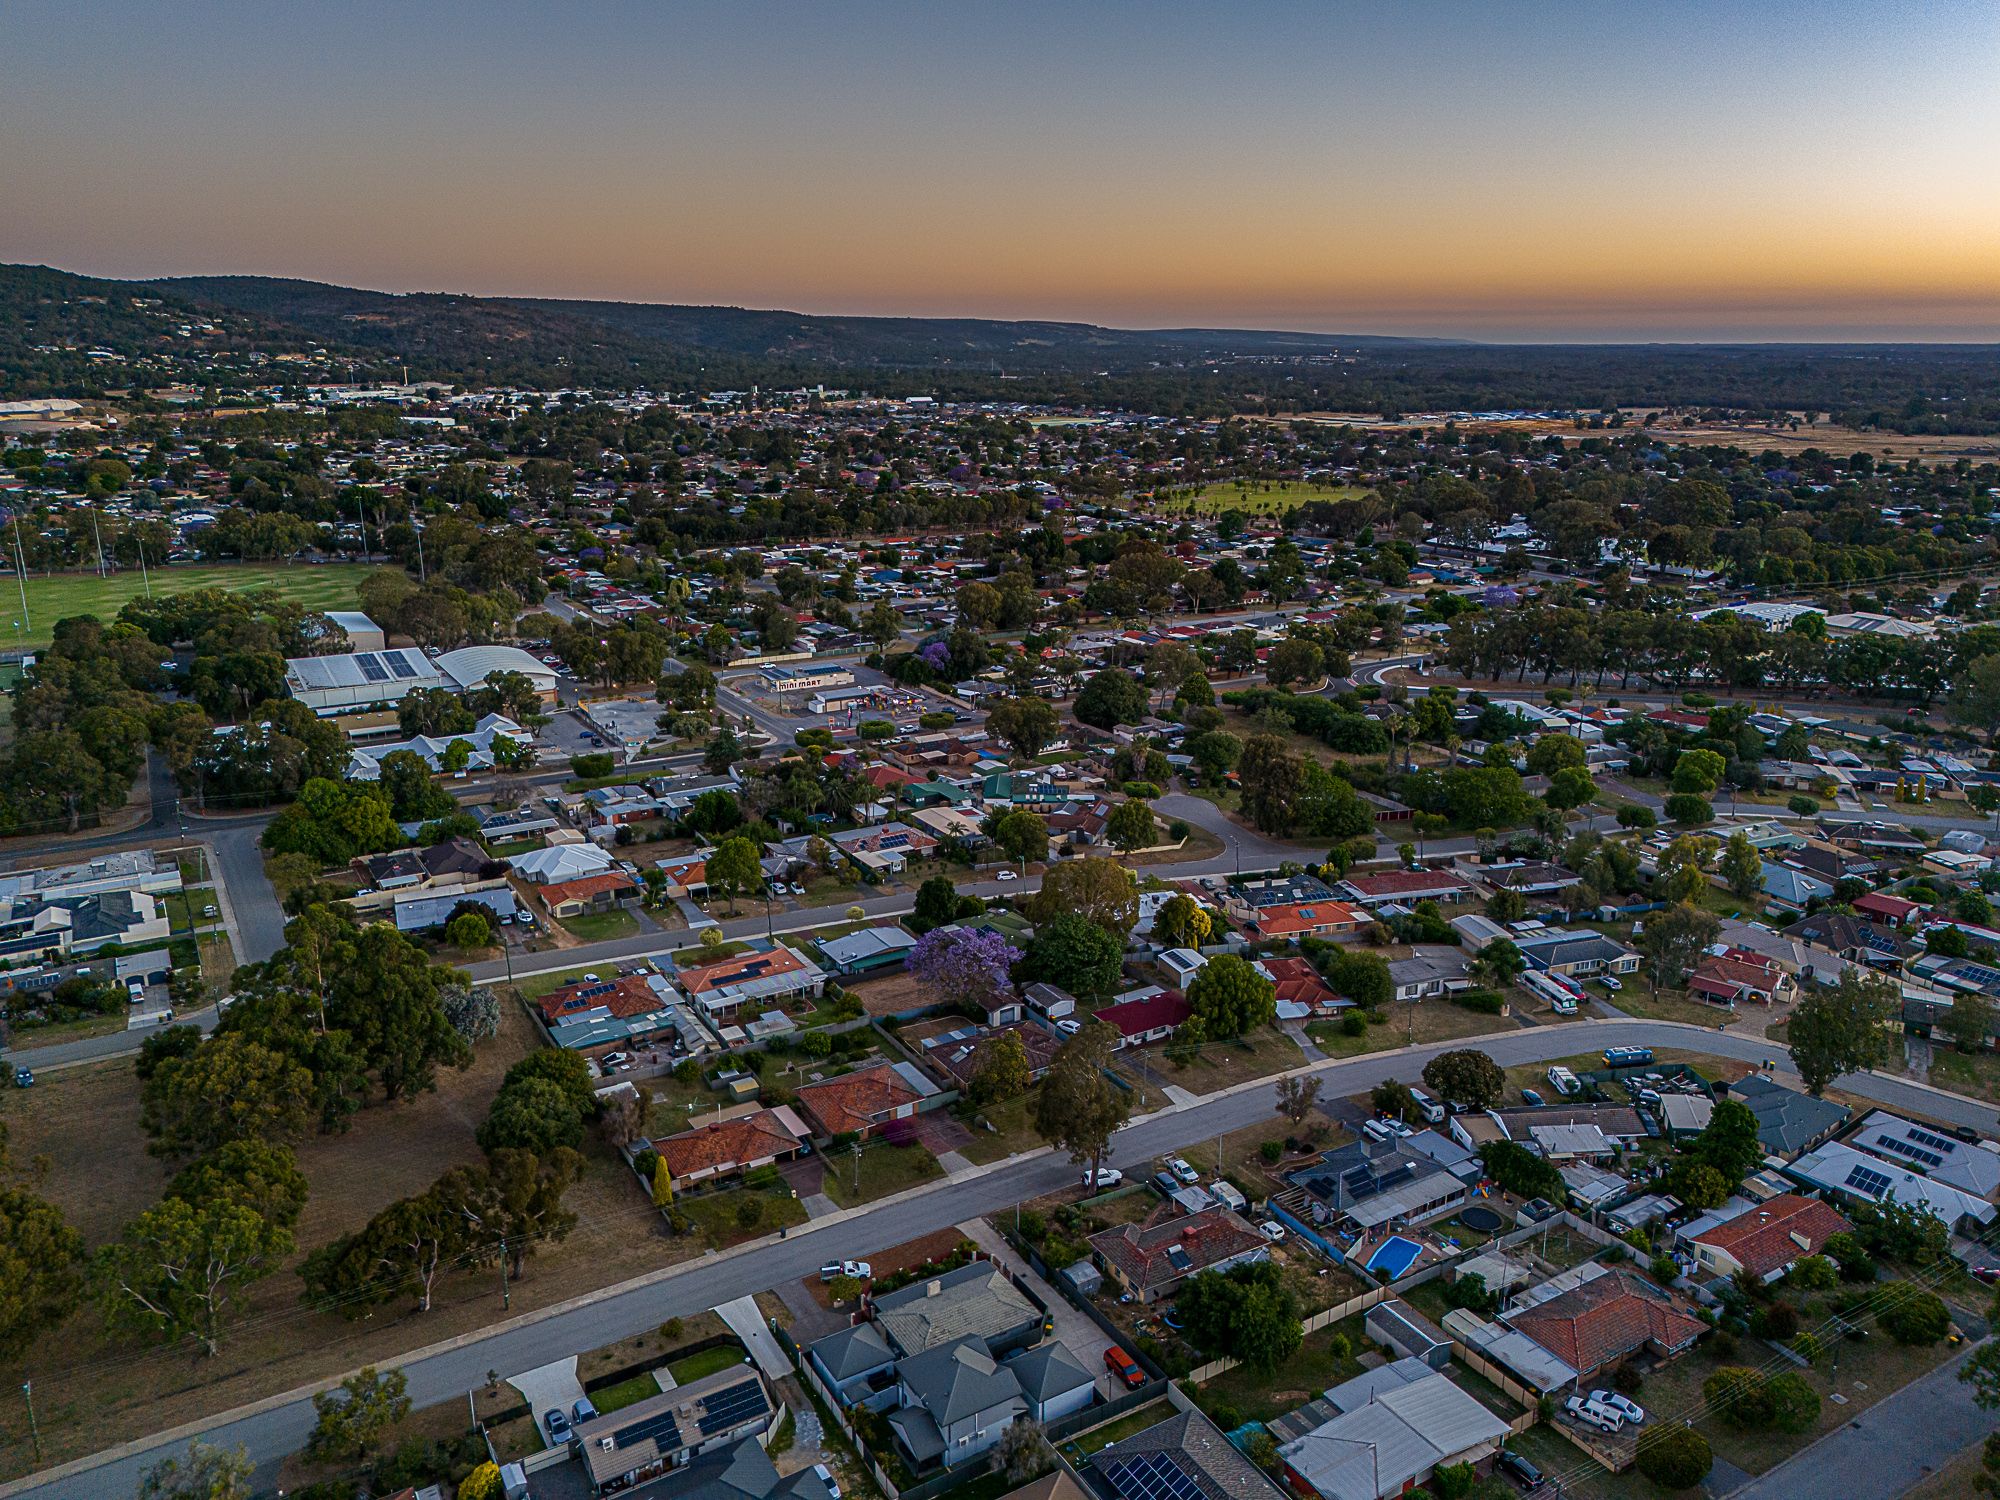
960, 1051
434, 750
1301, 992
763, 976
1575, 952
1150, 1016
1853, 938
1939, 1157
1527, 877
1767, 1240
573, 898
857, 1366
977, 1300
867, 950
1186, 1455
80, 922
1368, 1184
559, 863
953, 1401
1433, 970
1053, 1381
884, 850
723, 1413
1788, 1121
450, 862
1399, 1327
1404, 887
1149, 1260
1395, 1426
1328, 919
729, 1148
684, 879
1793, 890
865, 1101
1735, 976
1841, 1170
1894, 910
1596, 1316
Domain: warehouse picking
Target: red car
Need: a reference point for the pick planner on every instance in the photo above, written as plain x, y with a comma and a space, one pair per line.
1124, 1367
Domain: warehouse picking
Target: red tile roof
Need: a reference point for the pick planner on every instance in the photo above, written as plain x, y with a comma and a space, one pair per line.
1762, 1241
1895, 908
856, 1101
630, 996
1299, 982
1607, 1318
727, 1144
590, 885
1140, 1251
1734, 973
1136, 1017
725, 972
1405, 882
1309, 916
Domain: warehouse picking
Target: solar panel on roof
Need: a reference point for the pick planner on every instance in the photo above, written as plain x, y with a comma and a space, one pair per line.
1152, 1476
400, 665
1935, 1142
1179, 1259
371, 668
1914, 1153
661, 1429
1868, 1181
729, 1408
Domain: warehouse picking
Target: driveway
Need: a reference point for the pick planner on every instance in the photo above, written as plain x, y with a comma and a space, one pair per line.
1084, 1338
549, 1387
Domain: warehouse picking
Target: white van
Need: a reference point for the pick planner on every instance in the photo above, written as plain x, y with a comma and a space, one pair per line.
1429, 1108
1226, 1193
1564, 1082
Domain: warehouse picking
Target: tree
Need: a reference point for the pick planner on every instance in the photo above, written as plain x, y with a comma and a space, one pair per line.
1982, 1373
483, 1483
1728, 1142
1793, 1404
1003, 1072
1231, 998
1131, 825
534, 1114
1569, 787
1742, 867
1246, 1313
229, 1088
1098, 890
734, 868
473, 1011
1501, 961
1674, 939
1841, 1028
938, 903
1182, 922
40, 1263
206, 1472
1023, 1451
1078, 1108
1698, 771
1110, 698
1466, 1077
1215, 753
963, 966
1969, 1022
1911, 1315
355, 1415
1688, 810
178, 1268
1674, 1457
1021, 835
1697, 1185
1975, 697
1555, 752
1360, 977
1075, 952
1296, 1097
1027, 725
404, 1250
1392, 1099
468, 929
261, 1175
1294, 660
1739, 1396
1272, 779
1519, 1171
413, 796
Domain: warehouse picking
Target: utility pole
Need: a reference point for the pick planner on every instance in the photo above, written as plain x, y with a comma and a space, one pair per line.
34, 1429
21, 575
857, 1169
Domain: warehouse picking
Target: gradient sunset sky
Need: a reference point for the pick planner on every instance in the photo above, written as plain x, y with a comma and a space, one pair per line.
1494, 170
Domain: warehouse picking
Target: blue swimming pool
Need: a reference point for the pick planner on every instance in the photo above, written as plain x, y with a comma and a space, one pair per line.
1394, 1257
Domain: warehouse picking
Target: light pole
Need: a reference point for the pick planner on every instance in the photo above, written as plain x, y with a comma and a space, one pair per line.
34, 1428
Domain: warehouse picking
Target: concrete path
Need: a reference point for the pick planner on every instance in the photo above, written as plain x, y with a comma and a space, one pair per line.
747, 1323
953, 1163
1886, 1450
1296, 1030
548, 1387
819, 1206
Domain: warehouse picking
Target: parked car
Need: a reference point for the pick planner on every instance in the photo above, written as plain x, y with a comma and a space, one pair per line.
1182, 1170
580, 1410
1103, 1177
1625, 1406
557, 1424
1529, 1096
1125, 1367
1594, 1414
1610, 981
614, 1060
1518, 1469
210, 911
1272, 1230
1068, 1027
826, 1478
1166, 1182
1006, 875
24, 1078
525, 917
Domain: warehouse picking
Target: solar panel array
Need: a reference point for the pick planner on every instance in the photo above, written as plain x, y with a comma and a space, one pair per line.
1365, 1182
1913, 1152
731, 1408
1152, 1476
1869, 1181
400, 665
372, 668
661, 1428
1935, 1142
1179, 1259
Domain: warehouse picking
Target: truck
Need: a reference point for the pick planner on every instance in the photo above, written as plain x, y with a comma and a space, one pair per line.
1627, 1057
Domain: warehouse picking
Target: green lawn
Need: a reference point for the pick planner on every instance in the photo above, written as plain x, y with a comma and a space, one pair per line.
1257, 1397
1133, 1421
625, 1393
1975, 1076
317, 585
1260, 499
718, 1219
1013, 1131
689, 1369
884, 1170
602, 926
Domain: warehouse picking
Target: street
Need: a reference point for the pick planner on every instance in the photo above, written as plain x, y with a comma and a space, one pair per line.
446, 1373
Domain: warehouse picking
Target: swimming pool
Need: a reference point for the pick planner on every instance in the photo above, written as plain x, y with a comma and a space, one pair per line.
1394, 1257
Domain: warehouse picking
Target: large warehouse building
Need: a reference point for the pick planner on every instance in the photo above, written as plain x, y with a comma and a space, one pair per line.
470, 666
361, 679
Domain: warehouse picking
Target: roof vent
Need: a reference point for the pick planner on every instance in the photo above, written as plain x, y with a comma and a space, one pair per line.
933, 1288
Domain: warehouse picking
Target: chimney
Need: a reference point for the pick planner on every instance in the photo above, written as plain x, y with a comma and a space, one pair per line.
933, 1288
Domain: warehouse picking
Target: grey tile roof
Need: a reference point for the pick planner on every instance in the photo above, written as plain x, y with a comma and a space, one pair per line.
1207, 1457
958, 1380
974, 1301
853, 1351
1048, 1371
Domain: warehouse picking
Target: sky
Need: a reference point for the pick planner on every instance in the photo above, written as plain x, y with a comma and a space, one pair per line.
1494, 169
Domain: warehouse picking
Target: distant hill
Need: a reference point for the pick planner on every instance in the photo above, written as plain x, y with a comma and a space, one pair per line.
214, 328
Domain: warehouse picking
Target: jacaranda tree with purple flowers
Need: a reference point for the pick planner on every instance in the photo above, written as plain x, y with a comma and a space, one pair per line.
963, 967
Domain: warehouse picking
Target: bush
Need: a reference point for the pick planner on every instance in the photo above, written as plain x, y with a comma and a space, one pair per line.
1804, 806
1354, 1023
1736, 1393
1794, 1405
1674, 1458
1629, 1379
1689, 810
1912, 1316
590, 767
1270, 1151
1779, 1321
1485, 1002
1809, 1347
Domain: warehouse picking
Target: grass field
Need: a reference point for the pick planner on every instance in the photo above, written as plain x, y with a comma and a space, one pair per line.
59, 596
1262, 499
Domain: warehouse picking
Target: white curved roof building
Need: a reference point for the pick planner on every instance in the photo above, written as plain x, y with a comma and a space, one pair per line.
470, 666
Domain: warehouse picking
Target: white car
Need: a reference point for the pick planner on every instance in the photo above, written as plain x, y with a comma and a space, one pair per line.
1006, 875
1068, 1027
1182, 1171
1103, 1177
1594, 1414
1610, 981
859, 1269
1625, 1406
1272, 1230
826, 1478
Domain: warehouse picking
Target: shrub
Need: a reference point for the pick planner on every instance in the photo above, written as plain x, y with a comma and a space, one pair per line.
1270, 1151
1354, 1023
1664, 1269
1809, 1347
590, 767
1629, 1379
1794, 1405
1485, 1002
1736, 1393
1674, 1458
1912, 1316
1779, 1321
1804, 806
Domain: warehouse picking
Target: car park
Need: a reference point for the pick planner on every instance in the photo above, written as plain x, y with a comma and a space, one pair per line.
1625, 1406
1103, 1177
1594, 1414
1124, 1367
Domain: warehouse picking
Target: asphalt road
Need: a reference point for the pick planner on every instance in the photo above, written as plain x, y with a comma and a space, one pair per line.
618, 1312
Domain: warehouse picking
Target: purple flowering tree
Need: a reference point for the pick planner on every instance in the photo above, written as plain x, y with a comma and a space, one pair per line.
961, 966
936, 655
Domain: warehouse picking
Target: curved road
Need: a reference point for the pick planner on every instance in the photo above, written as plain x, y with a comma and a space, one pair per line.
446, 1372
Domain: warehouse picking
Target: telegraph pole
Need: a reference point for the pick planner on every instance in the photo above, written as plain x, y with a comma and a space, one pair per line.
34, 1429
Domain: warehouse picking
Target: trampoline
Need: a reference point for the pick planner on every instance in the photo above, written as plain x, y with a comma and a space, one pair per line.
1485, 1220
1394, 1256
